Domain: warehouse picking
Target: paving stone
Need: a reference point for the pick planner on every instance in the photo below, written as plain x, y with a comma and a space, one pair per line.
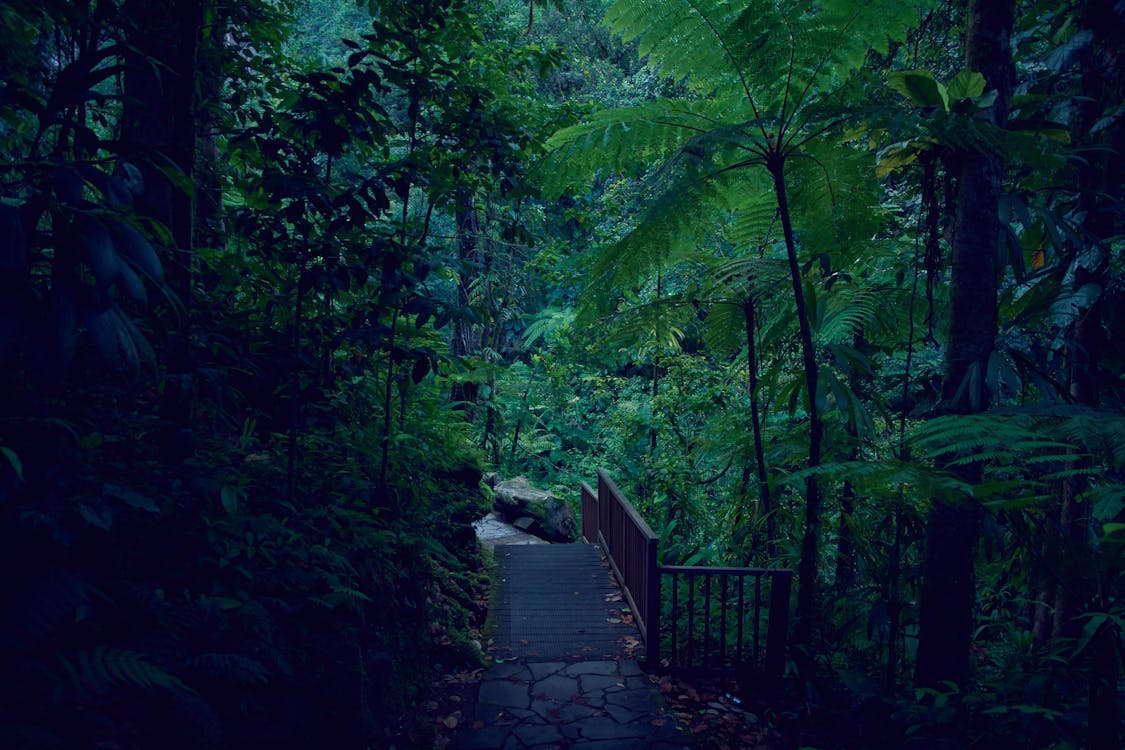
488, 738
540, 734
576, 712
628, 744
556, 688
623, 715
630, 668
634, 700
506, 671
596, 682
504, 693
542, 669
592, 667
605, 728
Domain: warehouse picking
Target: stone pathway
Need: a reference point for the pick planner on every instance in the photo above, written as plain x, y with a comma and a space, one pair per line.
560, 678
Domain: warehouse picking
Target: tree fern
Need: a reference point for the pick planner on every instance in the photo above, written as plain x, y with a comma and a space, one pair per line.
775, 79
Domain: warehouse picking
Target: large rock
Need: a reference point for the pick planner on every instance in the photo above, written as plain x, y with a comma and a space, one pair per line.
533, 510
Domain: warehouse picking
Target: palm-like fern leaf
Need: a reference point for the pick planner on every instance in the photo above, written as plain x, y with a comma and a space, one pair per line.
663, 235
230, 666
625, 140
775, 56
100, 669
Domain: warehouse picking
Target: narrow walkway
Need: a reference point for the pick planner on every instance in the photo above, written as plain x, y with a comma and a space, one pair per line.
561, 678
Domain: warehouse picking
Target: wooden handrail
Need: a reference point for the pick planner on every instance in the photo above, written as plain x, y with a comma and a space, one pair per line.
723, 623
589, 514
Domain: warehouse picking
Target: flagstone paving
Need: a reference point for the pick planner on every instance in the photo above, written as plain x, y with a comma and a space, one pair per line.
561, 678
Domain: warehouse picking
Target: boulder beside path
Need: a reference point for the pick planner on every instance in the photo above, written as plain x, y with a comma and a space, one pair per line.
532, 510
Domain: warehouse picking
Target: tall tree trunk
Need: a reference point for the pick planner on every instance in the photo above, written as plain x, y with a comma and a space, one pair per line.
846, 563
948, 591
765, 498
209, 223
158, 126
808, 609
1101, 183
159, 117
466, 333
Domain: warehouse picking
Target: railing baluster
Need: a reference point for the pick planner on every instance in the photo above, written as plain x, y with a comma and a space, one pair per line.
723, 621
691, 616
706, 619
675, 617
757, 614
778, 628
741, 614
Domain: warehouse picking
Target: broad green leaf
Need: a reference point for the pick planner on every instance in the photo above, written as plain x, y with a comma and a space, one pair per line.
920, 87
131, 498
895, 156
965, 85
229, 497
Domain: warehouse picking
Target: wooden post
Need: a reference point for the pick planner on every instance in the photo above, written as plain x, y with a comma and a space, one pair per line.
778, 629
652, 605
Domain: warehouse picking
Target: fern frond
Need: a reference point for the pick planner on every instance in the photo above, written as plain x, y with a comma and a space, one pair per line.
233, 667
834, 200
726, 328
754, 222
100, 669
774, 55
884, 477
623, 140
659, 323
546, 323
847, 311
740, 277
661, 237
1005, 437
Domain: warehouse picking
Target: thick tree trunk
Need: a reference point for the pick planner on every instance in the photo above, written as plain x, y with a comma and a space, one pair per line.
946, 622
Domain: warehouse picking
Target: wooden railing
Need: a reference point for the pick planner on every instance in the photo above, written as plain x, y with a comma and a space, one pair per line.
714, 618
630, 546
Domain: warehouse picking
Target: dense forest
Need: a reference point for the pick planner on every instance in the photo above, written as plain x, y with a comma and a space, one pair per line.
834, 285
